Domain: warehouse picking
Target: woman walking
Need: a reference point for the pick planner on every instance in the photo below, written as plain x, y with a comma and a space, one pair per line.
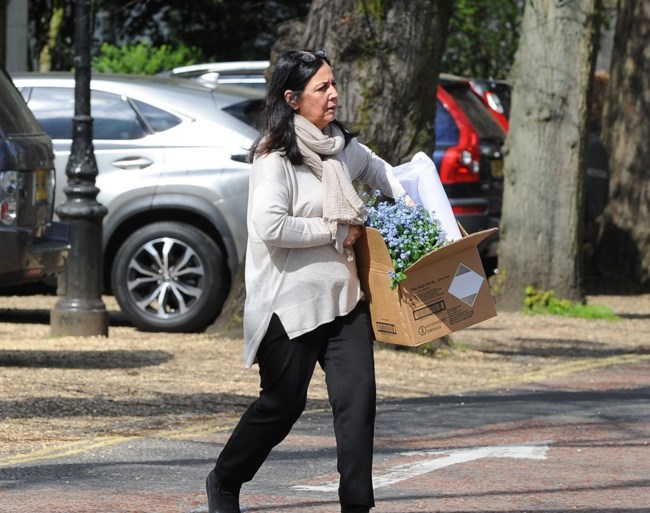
304, 305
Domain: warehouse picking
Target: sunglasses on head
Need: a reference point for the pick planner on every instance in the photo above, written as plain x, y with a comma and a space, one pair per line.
309, 57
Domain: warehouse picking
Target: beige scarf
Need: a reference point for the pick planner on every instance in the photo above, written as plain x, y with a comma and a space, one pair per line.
341, 203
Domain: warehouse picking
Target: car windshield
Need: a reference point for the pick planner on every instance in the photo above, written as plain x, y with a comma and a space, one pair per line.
484, 123
248, 111
15, 118
503, 92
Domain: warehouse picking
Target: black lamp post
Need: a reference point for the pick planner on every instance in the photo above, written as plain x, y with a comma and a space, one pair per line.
81, 311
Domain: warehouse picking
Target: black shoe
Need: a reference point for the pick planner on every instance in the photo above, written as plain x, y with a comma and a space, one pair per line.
221, 499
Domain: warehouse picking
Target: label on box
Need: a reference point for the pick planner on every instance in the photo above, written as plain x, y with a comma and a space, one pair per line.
466, 285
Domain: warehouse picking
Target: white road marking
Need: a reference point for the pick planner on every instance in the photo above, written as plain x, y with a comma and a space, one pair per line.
434, 461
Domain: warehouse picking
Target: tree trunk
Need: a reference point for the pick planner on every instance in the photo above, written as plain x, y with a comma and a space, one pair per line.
230, 322
622, 256
545, 166
386, 57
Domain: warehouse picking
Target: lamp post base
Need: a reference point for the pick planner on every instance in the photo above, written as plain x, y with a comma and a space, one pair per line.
79, 318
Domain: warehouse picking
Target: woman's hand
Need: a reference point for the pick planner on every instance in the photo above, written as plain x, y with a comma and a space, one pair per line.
354, 232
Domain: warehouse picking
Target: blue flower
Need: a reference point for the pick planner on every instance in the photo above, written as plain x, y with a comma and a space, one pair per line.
409, 232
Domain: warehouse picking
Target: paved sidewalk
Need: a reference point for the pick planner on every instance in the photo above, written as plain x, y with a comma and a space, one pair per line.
578, 442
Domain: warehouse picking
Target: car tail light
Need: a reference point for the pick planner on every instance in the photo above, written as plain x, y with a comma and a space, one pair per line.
460, 165
469, 209
8, 205
465, 159
460, 162
468, 161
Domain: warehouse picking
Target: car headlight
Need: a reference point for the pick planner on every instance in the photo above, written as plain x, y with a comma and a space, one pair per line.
9, 184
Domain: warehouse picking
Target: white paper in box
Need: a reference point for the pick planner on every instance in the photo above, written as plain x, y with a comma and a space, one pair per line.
421, 181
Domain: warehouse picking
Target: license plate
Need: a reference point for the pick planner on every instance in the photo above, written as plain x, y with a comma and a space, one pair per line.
42, 185
496, 167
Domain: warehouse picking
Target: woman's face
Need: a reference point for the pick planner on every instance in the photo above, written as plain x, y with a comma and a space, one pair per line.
317, 102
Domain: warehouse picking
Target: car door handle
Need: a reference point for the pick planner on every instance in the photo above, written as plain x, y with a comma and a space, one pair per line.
133, 163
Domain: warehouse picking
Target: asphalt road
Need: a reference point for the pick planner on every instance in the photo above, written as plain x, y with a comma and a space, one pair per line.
577, 443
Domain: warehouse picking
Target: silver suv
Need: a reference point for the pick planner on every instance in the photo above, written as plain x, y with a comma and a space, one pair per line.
173, 174
33, 247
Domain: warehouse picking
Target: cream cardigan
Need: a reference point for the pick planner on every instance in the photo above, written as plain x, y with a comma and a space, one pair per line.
293, 267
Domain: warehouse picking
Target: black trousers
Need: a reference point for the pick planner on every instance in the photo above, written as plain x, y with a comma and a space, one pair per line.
344, 350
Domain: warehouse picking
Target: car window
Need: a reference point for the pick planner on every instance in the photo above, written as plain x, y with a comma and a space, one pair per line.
54, 108
484, 123
446, 130
159, 119
503, 92
113, 116
15, 119
248, 111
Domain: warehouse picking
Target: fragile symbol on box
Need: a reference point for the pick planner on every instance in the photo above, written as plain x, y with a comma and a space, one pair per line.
466, 285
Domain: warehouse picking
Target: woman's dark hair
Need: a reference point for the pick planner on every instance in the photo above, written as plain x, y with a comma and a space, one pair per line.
292, 71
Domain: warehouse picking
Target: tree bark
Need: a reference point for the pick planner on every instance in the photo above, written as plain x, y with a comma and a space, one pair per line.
622, 256
386, 57
230, 322
545, 161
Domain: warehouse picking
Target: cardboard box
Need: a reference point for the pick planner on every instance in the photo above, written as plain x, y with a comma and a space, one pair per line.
444, 291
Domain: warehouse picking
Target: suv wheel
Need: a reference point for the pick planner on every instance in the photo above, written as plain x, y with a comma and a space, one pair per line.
169, 277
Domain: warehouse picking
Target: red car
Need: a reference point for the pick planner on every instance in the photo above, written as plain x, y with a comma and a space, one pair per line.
469, 158
495, 95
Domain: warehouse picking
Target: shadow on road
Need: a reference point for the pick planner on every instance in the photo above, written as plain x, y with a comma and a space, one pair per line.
10, 313
42, 316
115, 359
566, 347
144, 407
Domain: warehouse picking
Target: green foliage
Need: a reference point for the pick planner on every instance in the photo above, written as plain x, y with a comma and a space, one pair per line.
483, 38
375, 7
545, 302
143, 58
443, 347
224, 30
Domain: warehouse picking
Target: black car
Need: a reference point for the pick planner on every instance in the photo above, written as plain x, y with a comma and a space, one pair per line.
33, 247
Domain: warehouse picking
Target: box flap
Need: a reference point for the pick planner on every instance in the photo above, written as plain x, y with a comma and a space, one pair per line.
472, 240
372, 250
